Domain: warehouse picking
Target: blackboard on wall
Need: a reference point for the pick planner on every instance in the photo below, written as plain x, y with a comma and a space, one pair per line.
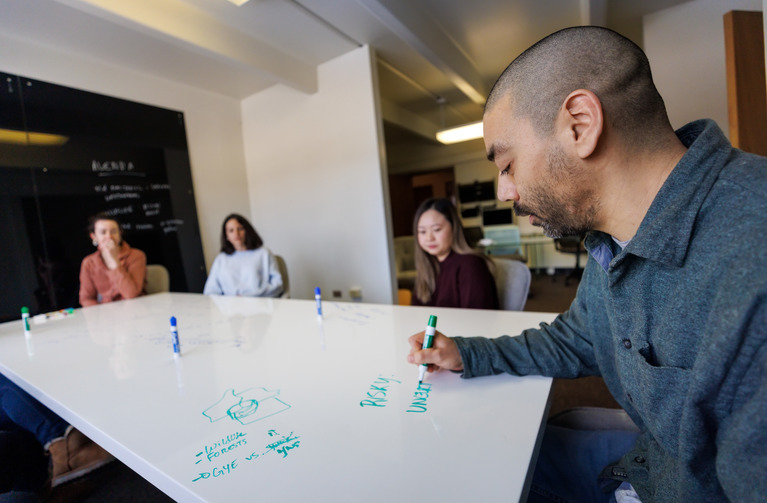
67, 154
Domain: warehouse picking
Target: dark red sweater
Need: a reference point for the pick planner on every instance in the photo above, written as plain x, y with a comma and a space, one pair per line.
463, 281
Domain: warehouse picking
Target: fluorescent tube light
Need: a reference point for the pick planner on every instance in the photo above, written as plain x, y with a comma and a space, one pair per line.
461, 133
238, 2
16, 137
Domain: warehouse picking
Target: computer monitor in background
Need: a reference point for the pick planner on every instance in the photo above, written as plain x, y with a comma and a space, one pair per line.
498, 216
477, 192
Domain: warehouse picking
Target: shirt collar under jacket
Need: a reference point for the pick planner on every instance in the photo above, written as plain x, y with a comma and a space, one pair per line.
665, 232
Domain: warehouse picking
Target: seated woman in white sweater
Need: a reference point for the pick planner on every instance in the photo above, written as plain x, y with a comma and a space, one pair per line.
244, 266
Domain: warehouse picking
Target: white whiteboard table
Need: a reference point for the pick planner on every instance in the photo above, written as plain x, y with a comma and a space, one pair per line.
266, 404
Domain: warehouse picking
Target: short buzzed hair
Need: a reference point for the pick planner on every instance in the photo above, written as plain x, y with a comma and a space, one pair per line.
584, 57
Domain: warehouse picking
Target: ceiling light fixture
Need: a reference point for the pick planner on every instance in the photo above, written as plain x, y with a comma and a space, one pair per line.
15, 137
238, 2
457, 134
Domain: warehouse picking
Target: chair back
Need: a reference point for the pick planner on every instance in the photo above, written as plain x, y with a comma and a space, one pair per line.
157, 279
512, 278
570, 244
404, 254
284, 273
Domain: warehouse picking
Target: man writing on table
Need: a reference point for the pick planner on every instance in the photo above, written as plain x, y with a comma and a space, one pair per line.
672, 307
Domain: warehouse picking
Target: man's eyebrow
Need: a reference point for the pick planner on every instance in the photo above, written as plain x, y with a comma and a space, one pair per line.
495, 150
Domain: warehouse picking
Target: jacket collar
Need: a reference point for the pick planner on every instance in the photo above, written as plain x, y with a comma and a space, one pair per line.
666, 230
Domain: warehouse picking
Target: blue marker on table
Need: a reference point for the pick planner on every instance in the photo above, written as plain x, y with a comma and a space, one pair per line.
318, 298
174, 334
25, 319
428, 340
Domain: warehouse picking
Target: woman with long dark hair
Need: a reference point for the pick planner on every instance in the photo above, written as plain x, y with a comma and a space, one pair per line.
244, 266
448, 272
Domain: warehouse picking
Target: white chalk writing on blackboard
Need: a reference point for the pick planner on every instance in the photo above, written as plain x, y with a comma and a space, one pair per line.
125, 188
121, 195
125, 210
171, 225
151, 209
106, 166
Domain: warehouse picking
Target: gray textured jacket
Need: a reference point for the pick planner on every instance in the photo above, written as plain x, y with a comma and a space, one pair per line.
676, 324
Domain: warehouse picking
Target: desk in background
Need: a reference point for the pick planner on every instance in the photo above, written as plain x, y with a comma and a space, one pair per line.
533, 245
266, 403
529, 245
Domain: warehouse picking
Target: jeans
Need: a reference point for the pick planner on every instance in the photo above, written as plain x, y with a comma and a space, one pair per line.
570, 462
19, 410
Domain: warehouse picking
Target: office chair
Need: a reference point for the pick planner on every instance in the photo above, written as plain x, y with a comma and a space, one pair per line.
157, 279
512, 278
284, 273
404, 261
572, 244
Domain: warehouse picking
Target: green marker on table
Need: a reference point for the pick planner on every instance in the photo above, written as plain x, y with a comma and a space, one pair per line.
25, 320
428, 340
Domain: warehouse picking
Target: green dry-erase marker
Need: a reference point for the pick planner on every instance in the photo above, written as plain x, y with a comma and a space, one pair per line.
25, 319
428, 340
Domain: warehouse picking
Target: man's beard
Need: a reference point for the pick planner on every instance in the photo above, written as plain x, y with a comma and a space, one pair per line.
560, 214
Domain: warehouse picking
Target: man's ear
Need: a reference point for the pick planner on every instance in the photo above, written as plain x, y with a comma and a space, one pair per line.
581, 121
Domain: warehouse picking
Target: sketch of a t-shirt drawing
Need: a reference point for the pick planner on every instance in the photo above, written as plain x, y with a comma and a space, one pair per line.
245, 407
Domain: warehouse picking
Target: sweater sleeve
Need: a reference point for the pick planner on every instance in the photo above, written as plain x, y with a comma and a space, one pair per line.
129, 278
560, 349
88, 295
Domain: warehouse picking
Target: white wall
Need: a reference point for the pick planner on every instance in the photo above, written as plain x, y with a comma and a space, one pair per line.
316, 182
213, 127
685, 46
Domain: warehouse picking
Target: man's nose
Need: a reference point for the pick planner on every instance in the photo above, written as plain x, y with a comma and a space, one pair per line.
507, 191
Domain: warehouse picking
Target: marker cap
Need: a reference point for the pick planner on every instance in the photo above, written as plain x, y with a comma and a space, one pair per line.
317, 290
432, 321
24, 310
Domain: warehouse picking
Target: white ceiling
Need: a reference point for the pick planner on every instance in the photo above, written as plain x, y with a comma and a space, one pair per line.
427, 49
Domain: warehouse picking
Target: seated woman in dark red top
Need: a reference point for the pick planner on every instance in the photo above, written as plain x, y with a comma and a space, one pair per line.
448, 272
